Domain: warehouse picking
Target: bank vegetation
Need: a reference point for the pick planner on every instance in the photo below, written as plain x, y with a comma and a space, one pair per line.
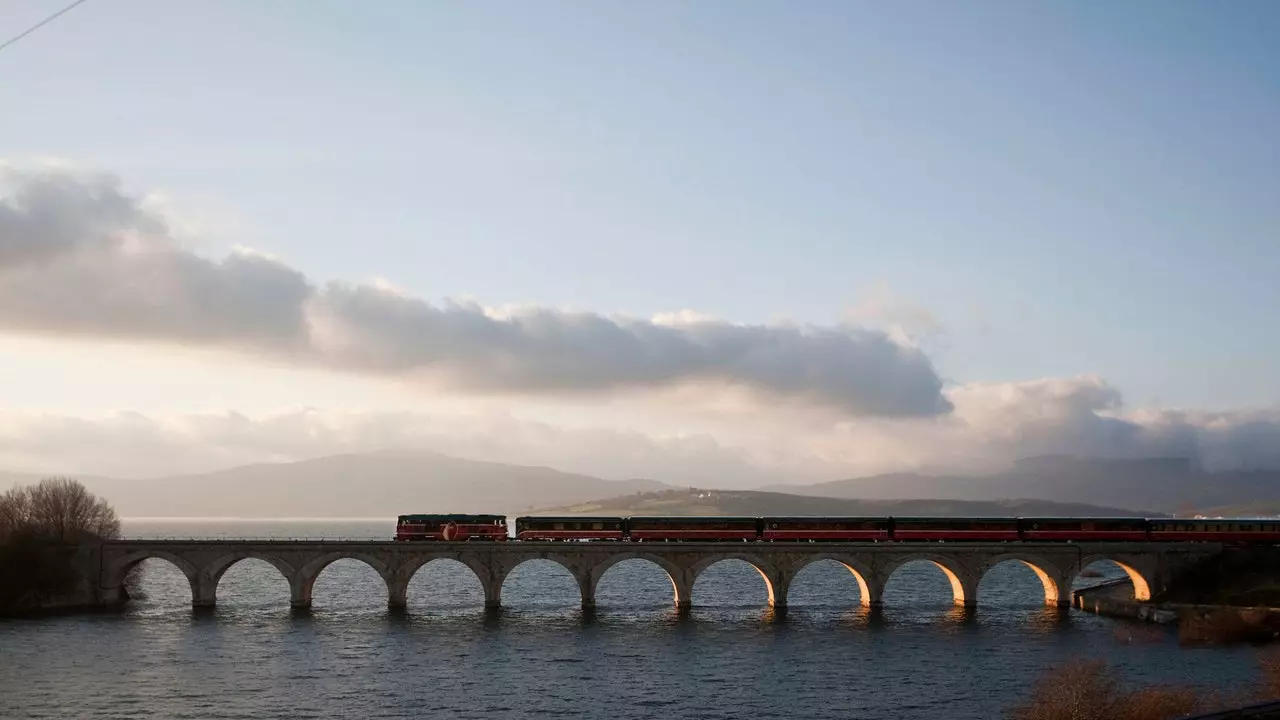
46, 530
1091, 690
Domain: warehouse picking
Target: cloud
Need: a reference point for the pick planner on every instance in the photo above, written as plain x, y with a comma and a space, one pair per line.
81, 257
994, 425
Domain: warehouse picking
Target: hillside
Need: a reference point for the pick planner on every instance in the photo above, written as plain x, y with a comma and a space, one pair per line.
359, 485
1162, 484
721, 502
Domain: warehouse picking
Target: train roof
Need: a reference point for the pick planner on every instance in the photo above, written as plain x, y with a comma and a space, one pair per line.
447, 516
826, 517
694, 517
1215, 519
1092, 518
954, 518
571, 518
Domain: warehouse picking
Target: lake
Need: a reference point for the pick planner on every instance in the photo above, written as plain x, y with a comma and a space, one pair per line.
634, 657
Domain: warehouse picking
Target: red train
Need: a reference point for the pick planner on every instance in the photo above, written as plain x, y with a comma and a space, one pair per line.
834, 529
451, 527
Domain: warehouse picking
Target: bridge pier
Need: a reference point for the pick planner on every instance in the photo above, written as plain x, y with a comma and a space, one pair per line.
587, 587
204, 592
300, 592
492, 593
682, 588
872, 591
779, 587
397, 593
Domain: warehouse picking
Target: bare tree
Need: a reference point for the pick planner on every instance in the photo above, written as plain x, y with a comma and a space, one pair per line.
59, 508
15, 511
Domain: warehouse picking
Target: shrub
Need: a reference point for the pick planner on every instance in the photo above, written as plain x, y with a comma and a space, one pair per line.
1087, 690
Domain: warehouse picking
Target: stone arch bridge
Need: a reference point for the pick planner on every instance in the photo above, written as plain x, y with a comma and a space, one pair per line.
1151, 566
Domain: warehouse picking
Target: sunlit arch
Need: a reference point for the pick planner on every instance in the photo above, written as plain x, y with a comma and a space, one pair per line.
755, 562
858, 570
1038, 565
1141, 586
943, 563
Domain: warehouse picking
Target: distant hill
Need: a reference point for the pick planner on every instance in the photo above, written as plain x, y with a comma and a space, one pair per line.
1264, 509
753, 503
387, 483
1163, 484
359, 485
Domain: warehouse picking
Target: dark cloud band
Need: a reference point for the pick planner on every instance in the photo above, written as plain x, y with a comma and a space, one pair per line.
79, 256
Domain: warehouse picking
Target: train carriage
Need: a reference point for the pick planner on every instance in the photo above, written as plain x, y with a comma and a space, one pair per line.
819, 529
451, 527
1084, 529
1231, 530
693, 528
954, 529
569, 528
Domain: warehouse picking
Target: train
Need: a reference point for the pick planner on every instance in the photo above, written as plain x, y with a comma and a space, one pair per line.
462, 527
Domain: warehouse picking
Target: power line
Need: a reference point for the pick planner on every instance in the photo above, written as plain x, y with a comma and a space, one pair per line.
42, 23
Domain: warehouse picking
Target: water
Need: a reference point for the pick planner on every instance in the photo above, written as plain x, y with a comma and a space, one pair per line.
635, 658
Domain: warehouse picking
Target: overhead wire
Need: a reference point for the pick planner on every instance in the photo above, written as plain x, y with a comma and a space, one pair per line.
41, 24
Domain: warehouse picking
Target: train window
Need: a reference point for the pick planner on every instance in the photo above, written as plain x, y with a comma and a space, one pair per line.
597, 526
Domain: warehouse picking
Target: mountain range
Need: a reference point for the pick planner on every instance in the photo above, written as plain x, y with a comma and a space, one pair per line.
693, 501
380, 484
375, 484
1171, 485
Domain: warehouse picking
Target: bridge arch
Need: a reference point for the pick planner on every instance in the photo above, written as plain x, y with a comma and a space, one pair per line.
964, 587
1141, 581
775, 585
681, 589
218, 567
586, 591
115, 574
1057, 590
398, 586
211, 574
869, 589
303, 581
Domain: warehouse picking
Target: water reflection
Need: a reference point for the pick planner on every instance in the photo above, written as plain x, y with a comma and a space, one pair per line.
635, 656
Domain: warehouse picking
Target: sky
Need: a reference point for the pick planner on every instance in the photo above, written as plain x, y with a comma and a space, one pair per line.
765, 239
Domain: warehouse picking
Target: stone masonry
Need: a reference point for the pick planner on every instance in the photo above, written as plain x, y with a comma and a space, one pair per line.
1151, 566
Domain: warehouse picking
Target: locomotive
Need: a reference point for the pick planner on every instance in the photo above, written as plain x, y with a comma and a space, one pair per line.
453, 527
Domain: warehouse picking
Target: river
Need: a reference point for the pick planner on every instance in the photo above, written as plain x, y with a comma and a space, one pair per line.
633, 658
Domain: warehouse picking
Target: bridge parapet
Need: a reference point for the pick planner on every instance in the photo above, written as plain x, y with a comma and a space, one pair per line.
1151, 566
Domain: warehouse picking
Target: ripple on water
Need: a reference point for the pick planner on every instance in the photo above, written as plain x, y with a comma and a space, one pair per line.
635, 657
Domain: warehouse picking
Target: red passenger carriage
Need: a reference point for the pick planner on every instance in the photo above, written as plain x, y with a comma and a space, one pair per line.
831, 529
693, 528
1234, 530
955, 529
569, 528
1084, 529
